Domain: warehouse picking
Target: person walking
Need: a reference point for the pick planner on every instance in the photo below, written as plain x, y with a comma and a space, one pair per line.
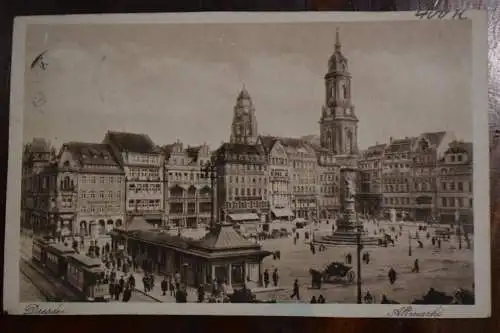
313, 300
296, 291
201, 294
416, 266
392, 276
164, 286
127, 294
321, 299
275, 277
266, 278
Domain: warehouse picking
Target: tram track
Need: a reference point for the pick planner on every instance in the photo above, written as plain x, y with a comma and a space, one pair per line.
52, 289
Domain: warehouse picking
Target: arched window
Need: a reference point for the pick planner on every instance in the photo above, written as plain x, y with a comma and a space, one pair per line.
344, 91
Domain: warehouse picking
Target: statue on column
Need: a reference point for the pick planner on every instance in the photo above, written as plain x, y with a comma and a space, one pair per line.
350, 185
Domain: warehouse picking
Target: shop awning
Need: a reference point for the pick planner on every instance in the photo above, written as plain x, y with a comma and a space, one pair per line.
152, 217
282, 212
244, 217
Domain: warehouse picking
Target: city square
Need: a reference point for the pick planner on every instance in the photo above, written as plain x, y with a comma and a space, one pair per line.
260, 218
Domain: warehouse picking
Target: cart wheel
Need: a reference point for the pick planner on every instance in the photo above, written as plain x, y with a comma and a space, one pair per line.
350, 276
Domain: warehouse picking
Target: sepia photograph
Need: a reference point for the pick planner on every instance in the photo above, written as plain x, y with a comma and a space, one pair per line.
329, 164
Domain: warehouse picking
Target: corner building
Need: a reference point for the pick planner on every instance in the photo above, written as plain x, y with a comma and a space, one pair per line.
188, 188
91, 190
142, 162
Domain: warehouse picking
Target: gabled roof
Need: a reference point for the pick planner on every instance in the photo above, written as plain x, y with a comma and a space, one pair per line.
39, 145
133, 142
434, 138
224, 237
268, 142
91, 153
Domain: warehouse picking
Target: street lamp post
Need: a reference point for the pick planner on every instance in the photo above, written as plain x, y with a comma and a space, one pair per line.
459, 231
409, 244
359, 248
210, 171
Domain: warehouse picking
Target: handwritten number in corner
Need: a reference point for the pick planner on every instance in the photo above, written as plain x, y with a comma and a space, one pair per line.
435, 12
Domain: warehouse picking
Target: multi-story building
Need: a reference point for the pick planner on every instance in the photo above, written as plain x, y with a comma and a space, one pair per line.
36, 184
279, 188
188, 186
427, 149
456, 184
241, 170
303, 171
397, 169
90, 197
370, 165
142, 162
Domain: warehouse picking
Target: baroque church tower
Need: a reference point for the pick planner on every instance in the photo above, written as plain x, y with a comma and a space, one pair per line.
244, 126
338, 124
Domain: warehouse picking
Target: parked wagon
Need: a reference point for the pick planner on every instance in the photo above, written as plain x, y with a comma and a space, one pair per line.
55, 259
86, 275
333, 271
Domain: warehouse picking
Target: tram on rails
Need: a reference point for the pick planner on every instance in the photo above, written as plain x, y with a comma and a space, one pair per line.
83, 274
39, 245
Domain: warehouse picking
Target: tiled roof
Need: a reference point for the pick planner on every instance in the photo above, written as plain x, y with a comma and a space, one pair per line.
434, 137
162, 238
373, 151
240, 148
133, 142
137, 223
461, 147
193, 152
268, 142
224, 237
400, 145
39, 145
92, 153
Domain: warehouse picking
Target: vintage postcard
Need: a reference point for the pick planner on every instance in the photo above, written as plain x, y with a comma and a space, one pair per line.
297, 164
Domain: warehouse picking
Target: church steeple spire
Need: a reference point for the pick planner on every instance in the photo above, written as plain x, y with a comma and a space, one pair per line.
337, 40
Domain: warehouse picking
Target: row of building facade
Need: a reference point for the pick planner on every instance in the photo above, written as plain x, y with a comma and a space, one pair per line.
90, 188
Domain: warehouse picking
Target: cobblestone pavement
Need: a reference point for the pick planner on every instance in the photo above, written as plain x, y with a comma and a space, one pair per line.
444, 269
28, 292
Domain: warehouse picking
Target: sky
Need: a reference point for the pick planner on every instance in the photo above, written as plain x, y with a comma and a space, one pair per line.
180, 81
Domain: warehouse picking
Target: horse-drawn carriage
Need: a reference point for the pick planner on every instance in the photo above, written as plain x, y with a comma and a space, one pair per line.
335, 270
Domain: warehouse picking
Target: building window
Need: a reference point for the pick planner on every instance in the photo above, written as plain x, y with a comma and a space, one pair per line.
452, 186
443, 186
460, 186
460, 202
444, 202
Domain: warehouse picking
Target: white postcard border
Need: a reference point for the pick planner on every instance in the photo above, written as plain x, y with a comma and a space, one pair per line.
482, 308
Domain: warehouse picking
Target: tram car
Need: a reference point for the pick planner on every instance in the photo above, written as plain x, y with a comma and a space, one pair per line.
86, 275
55, 259
38, 248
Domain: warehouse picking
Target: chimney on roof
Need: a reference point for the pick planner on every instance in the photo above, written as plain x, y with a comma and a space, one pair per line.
390, 139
